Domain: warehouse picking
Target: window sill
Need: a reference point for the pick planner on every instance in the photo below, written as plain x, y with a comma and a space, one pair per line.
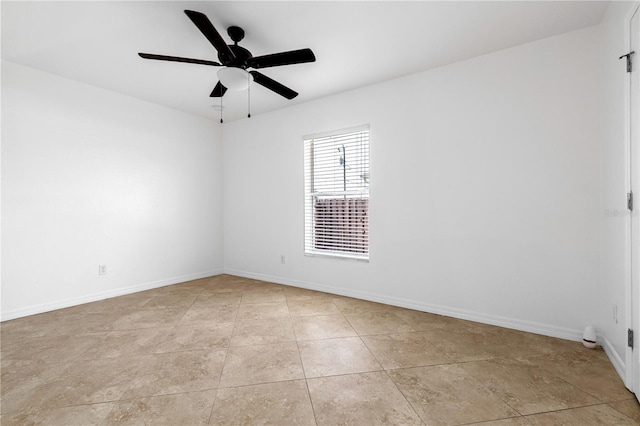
339, 256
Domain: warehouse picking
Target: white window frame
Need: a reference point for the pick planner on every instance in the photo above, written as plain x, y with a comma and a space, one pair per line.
354, 194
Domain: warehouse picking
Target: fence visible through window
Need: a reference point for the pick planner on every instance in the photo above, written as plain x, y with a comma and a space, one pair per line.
341, 224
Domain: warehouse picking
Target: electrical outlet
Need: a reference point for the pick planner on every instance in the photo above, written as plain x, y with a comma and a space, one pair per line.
283, 260
102, 269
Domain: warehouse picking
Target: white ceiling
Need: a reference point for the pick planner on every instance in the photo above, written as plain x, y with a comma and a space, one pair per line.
355, 43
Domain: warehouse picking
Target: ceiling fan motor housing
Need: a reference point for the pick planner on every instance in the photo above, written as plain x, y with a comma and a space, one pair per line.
241, 56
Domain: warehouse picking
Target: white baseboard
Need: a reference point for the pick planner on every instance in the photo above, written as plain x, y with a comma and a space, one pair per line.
617, 362
65, 303
512, 323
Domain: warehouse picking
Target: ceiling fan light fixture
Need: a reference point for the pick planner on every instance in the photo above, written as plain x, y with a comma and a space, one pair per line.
234, 78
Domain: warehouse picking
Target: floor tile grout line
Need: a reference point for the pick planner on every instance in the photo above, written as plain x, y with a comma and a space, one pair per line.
580, 388
548, 411
304, 371
115, 401
404, 396
245, 385
573, 385
156, 395
372, 353
224, 363
498, 396
409, 367
632, 397
624, 414
213, 405
574, 408
490, 421
471, 376
313, 408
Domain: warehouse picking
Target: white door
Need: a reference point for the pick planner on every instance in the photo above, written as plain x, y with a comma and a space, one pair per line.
634, 188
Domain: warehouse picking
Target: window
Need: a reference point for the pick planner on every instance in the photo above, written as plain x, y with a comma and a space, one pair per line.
337, 194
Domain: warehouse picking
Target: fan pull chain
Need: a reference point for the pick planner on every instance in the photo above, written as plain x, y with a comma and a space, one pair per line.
221, 121
249, 95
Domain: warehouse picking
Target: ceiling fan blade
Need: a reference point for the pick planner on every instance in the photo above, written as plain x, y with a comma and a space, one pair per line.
206, 27
177, 59
284, 58
273, 85
218, 91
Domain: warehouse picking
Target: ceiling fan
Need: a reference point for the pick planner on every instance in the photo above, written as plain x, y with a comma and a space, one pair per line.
236, 60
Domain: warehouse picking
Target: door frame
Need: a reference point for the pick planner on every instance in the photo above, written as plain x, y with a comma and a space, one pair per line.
632, 357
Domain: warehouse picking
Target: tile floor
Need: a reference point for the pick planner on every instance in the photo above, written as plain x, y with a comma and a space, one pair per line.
230, 351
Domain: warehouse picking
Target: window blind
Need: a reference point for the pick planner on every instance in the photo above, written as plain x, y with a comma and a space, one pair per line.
337, 194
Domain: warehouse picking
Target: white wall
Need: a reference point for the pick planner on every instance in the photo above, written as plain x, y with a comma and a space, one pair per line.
93, 177
614, 216
485, 199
